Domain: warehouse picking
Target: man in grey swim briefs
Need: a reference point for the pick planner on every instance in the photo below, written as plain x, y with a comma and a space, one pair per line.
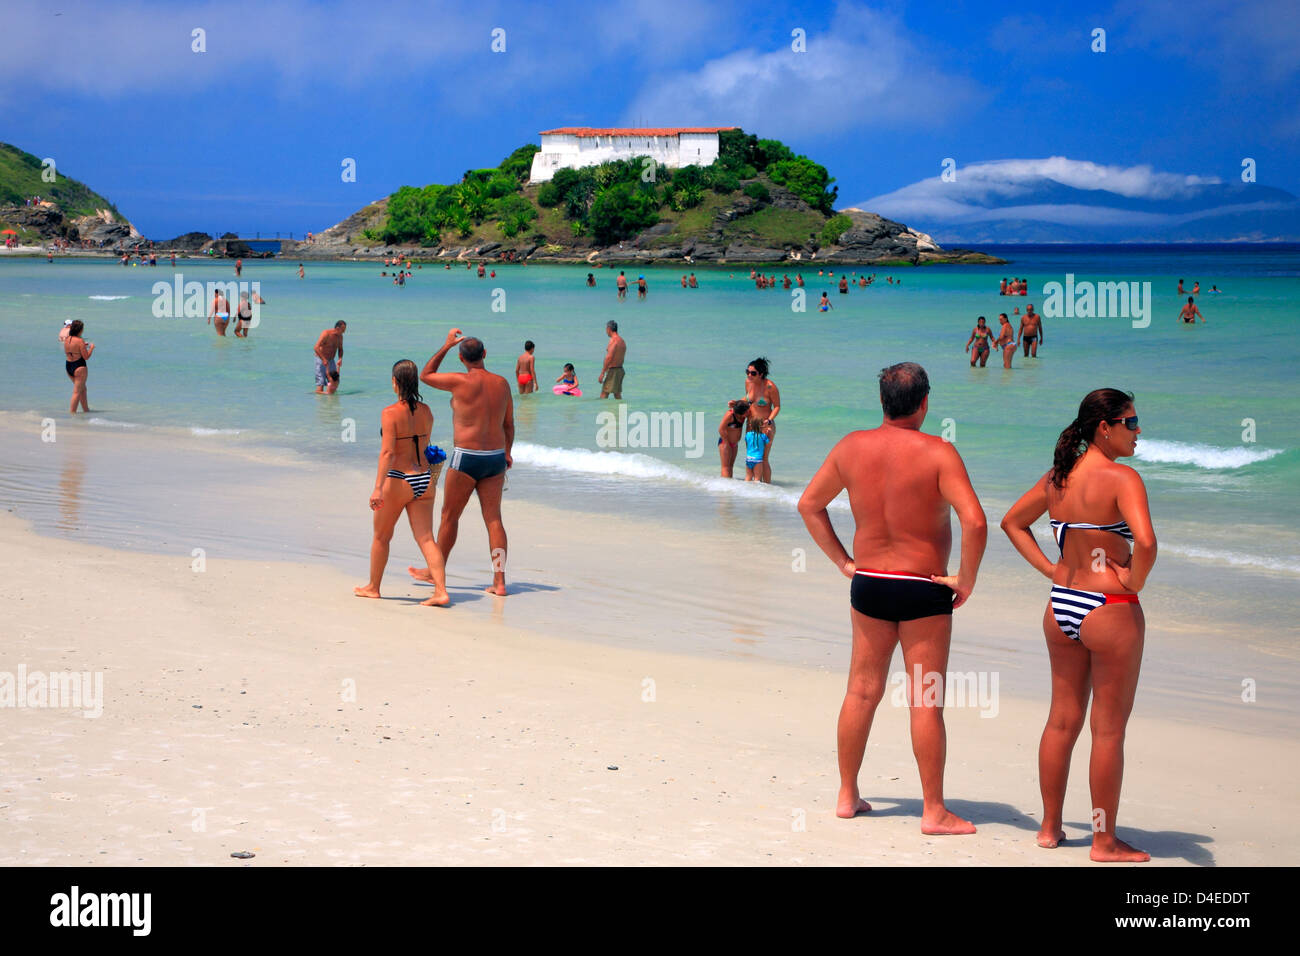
483, 432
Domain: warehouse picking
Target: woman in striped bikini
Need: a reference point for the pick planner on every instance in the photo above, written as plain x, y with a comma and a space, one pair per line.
403, 483
1093, 622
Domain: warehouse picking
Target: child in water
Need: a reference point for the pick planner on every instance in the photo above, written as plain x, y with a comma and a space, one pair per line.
755, 441
569, 379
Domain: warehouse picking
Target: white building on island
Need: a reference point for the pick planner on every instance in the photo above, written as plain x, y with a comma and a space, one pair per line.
574, 147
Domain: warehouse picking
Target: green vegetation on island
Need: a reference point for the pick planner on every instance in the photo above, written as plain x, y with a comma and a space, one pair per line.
608, 203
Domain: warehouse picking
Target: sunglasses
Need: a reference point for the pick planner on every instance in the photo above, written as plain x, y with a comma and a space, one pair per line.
1131, 423
750, 371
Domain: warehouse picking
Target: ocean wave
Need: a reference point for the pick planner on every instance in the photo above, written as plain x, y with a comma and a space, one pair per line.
196, 430
1202, 456
109, 423
1237, 559
613, 464
109, 298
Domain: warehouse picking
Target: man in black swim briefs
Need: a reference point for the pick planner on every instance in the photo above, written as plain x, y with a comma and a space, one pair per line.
902, 486
483, 432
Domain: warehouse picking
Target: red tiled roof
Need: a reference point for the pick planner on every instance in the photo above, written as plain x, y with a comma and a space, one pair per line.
628, 131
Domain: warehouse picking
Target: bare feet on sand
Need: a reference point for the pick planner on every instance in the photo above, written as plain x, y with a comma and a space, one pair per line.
945, 823
1117, 851
438, 600
420, 574
1049, 840
366, 591
850, 805
497, 588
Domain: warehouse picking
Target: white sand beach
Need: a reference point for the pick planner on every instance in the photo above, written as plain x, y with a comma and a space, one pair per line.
257, 705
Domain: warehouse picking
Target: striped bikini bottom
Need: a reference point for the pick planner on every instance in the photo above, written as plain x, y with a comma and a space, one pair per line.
1071, 606
418, 480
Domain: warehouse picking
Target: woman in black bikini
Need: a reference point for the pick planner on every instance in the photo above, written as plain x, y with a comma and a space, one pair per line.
765, 405
404, 483
75, 352
730, 431
1093, 622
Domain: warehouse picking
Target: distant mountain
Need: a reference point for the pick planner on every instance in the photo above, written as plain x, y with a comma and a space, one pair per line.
1064, 200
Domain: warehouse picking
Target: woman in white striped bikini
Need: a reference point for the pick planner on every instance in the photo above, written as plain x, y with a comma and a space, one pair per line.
1093, 622
403, 484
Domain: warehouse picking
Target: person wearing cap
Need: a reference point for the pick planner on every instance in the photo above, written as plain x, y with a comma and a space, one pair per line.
65, 331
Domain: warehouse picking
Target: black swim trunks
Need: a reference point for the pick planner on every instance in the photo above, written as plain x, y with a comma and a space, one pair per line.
896, 596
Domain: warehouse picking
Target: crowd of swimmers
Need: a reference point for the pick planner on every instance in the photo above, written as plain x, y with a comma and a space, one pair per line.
982, 340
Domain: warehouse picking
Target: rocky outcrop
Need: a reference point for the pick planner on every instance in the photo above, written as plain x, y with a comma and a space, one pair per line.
46, 220
190, 242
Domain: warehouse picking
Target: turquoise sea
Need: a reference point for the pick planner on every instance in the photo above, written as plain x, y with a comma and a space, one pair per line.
1220, 448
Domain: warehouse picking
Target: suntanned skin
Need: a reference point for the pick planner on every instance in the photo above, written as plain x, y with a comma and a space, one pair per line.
1031, 324
1107, 657
763, 417
525, 365
1189, 312
901, 485
220, 305
731, 430
75, 347
327, 347
985, 335
614, 354
483, 418
1006, 341
391, 496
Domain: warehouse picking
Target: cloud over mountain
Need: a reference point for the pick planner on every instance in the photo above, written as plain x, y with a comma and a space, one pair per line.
1066, 200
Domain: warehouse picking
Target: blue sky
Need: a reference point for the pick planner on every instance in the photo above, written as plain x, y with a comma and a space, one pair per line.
250, 135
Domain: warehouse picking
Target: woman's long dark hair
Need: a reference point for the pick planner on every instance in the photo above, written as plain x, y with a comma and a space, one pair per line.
1102, 405
76, 328
760, 366
408, 383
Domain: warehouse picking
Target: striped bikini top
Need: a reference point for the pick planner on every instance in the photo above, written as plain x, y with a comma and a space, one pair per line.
1059, 528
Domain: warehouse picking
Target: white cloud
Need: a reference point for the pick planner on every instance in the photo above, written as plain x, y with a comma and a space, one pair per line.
860, 69
1012, 190
981, 188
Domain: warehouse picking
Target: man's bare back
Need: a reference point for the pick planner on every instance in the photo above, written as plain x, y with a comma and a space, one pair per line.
893, 477
478, 406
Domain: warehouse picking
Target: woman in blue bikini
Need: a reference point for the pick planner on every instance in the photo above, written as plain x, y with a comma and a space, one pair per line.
403, 484
1093, 621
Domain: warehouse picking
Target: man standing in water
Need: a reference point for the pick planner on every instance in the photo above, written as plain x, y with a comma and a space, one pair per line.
1031, 330
328, 345
611, 373
483, 432
621, 282
901, 485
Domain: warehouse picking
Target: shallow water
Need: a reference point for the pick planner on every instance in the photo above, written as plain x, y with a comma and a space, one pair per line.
1224, 507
